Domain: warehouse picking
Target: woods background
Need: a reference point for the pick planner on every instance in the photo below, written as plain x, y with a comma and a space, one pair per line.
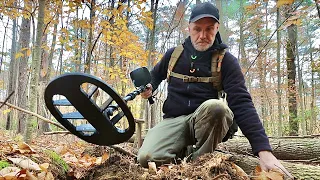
277, 44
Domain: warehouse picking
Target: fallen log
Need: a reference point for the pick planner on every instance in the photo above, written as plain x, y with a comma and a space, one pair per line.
284, 149
299, 171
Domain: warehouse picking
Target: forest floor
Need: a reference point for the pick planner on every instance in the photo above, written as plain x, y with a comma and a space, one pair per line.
67, 157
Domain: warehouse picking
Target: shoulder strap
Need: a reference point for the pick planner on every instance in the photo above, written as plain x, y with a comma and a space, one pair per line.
174, 58
216, 61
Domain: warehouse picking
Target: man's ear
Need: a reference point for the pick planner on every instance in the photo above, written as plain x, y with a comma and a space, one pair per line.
217, 25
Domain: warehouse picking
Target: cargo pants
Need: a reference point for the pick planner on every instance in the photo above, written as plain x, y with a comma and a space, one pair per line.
204, 128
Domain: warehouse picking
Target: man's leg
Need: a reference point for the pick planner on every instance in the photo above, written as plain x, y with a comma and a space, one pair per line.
164, 141
211, 122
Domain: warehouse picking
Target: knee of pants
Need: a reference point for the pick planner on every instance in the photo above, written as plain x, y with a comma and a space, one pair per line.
143, 158
215, 107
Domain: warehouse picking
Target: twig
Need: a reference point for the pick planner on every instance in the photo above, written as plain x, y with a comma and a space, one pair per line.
34, 114
121, 150
5, 101
56, 132
220, 176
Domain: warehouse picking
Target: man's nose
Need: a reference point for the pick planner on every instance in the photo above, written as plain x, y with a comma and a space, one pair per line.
202, 35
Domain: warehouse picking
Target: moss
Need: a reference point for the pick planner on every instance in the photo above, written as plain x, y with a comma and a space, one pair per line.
57, 160
4, 164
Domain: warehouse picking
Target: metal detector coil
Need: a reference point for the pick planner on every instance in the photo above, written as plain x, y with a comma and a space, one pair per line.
101, 128
102, 121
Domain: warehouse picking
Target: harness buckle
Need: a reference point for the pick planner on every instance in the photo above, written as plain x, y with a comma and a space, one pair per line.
190, 79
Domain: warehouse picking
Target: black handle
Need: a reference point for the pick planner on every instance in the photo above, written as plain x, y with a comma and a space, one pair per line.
150, 99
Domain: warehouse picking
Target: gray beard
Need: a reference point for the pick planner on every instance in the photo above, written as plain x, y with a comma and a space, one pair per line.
201, 49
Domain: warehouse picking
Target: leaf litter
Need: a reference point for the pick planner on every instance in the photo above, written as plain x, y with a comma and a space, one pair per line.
87, 161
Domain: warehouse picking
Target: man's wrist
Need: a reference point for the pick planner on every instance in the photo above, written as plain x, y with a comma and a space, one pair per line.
263, 153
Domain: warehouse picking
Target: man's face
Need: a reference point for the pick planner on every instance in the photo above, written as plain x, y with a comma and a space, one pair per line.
203, 33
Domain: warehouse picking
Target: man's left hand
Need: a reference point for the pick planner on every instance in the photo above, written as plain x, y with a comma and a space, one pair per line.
268, 161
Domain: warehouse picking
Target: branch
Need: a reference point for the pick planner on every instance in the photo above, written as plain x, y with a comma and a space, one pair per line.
121, 150
56, 132
5, 101
34, 114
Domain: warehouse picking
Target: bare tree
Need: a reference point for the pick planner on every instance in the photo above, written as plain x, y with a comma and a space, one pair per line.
291, 70
35, 70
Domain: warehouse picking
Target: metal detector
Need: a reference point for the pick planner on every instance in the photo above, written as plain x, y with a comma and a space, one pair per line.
102, 121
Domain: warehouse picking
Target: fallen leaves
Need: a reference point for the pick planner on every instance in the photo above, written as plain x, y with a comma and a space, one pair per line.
260, 174
25, 163
15, 173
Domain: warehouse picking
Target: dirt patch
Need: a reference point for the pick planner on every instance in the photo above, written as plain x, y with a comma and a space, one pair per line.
117, 167
210, 166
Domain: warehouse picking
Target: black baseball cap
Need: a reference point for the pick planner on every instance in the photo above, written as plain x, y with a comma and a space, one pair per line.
204, 10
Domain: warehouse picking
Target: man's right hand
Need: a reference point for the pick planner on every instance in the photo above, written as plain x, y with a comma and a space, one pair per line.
147, 92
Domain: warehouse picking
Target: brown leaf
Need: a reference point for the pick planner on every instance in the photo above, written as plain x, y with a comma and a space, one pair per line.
9, 171
45, 176
275, 174
105, 157
25, 163
25, 148
239, 171
70, 158
30, 176
44, 167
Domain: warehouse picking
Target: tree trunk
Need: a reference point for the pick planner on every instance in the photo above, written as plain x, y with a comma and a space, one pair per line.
301, 98
3, 43
23, 76
90, 38
312, 104
222, 29
283, 148
35, 69
279, 92
151, 115
12, 69
291, 70
43, 126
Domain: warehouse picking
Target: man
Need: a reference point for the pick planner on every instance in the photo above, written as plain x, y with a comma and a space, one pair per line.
193, 114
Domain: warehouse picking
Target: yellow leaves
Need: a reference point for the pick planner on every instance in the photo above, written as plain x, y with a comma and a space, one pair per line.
284, 2
28, 52
64, 37
19, 55
85, 24
251, 7
146, 18
270, 175
6, 111
24, 52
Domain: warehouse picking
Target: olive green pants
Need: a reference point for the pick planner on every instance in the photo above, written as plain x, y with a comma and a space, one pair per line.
204, 128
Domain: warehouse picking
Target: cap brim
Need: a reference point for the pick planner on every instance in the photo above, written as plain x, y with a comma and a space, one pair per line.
203, 16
